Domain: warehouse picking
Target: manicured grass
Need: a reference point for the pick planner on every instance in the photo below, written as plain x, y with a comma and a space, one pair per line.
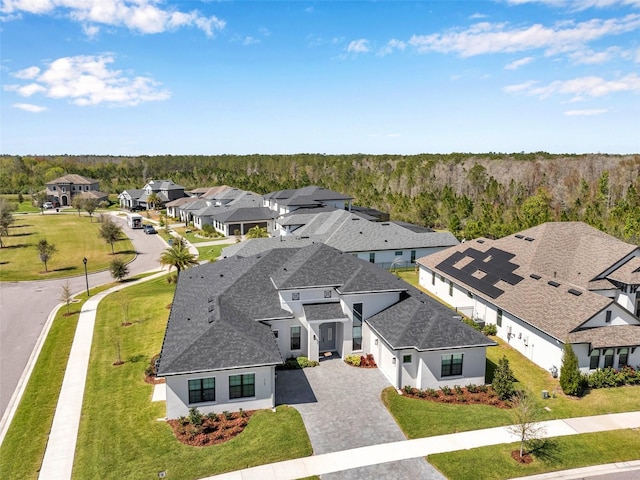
74, 237
25, 207
191, 235
120, 436
210, 253
495, 462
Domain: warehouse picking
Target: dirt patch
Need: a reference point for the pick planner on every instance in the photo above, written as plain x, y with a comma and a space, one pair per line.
524, 459
214, 429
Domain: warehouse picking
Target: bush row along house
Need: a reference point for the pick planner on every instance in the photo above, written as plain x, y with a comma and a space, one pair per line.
551, 284
62, 190
233, 321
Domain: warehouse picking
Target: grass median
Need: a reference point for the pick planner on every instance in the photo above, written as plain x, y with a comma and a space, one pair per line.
74, 237
120, 436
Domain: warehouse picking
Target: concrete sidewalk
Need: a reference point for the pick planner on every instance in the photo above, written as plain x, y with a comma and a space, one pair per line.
422, 447
61, 446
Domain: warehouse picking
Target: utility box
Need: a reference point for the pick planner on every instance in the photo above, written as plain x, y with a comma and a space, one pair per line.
545, 394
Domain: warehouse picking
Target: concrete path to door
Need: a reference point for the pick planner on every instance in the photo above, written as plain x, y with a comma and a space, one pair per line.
342, 410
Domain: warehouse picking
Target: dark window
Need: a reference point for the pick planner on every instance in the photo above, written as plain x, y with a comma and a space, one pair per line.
295, 338
499, 318
608, 316
608, 357
357, 326
413, 256
450, 288
451, 365
433, 278
202, 390
594, 359
275, 333
241, 386
406, 358
398, 254
623, 357
372, 257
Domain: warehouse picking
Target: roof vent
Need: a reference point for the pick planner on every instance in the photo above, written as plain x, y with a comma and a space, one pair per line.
355, 218
211, 319
575, 292
385, 224
529, 239
211, 308
519, 236
535, 276
221, 275
553, 283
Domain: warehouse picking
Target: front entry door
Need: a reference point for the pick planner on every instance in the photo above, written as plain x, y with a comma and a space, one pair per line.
327, 337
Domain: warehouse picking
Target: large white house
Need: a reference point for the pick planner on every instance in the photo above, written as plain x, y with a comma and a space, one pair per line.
233, 321
551, 284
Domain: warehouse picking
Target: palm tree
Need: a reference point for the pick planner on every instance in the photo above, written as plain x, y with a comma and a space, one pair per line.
178, 256
257, 232
154, 200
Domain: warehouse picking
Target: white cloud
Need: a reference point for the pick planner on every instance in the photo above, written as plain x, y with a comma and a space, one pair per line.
358, 46
477, 16
518, 63
28, 107
590, 57
576, 113
87, 80
144, 16
391, 46
27, 74
580, 88
250, 41
485, 38
579, 4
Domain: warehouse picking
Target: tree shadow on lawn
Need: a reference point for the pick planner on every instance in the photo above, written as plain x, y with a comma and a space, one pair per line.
64, 269
490, 372
126, 252
25, 234
18, 245
544, 449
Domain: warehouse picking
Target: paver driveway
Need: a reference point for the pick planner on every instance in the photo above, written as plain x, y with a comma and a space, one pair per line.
342, 409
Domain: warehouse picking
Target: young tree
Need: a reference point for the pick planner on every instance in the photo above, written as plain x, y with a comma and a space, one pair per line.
179, 256
525, 414
117, 343
154, 200
90, 205
6, 218
123, 299
118, 269
20, 197
46, 250
257, 232
39, 198
65, 295
110, 232
503, 379
571, 379
78, 203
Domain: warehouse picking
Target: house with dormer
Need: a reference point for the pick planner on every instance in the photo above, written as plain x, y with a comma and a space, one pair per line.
548, 285
286, 201
234, 321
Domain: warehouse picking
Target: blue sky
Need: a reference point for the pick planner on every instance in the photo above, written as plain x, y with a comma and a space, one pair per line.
125, 77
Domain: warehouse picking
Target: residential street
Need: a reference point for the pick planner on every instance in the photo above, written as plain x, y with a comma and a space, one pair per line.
25, 307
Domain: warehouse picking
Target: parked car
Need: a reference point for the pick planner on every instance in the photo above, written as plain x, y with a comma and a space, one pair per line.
149, 229
136, 208
47, 205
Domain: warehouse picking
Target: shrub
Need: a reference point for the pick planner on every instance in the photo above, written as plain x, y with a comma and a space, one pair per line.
408, 389
422, 393
227, 415
605, 378
461, 398
490, 329
304, 362
471, 388
503, 379
195, 417
353, 360
432, 392
571, 380
212, 416
458, 389
183, 421
446, 389
483, 388
471, 323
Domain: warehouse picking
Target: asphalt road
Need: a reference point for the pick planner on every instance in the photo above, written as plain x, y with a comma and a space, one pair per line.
25, 306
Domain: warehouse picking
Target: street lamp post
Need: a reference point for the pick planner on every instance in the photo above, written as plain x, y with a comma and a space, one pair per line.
86, 278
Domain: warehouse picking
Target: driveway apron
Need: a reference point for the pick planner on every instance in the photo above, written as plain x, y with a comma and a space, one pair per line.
342, 409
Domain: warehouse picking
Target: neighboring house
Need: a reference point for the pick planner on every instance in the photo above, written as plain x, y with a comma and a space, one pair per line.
63, 189
233, 321
130, 199
555, 283
386, 244
174, 207
166, 191
286, 201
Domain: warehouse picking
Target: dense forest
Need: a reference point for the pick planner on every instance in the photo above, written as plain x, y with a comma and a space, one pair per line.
470, 194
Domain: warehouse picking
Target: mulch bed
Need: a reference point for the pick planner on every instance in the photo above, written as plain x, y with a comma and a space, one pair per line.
524, 459
215, 429
489, 397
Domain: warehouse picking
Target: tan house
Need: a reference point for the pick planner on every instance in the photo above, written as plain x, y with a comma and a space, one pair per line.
62, 190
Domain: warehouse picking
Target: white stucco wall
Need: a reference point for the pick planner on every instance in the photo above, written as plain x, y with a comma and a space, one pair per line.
473, 368
178, 392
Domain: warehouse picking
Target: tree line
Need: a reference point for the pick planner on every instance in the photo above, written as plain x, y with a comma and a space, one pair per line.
472, 195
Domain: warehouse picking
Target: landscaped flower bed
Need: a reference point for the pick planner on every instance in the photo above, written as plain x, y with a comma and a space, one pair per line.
211, 429
361, 361
472, 394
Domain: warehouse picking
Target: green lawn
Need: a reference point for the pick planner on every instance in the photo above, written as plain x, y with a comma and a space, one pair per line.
74, 237
210, 253
495, 462
120, 436
191, 235
25, 207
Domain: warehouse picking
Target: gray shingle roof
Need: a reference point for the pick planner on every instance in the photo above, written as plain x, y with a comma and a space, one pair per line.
306, 195
323, 311
74, 179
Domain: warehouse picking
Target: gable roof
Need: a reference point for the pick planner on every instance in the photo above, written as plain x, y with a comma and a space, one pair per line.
542, 275
309, 195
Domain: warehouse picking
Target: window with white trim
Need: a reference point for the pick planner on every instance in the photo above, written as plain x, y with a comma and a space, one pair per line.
296, 333
357, 327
